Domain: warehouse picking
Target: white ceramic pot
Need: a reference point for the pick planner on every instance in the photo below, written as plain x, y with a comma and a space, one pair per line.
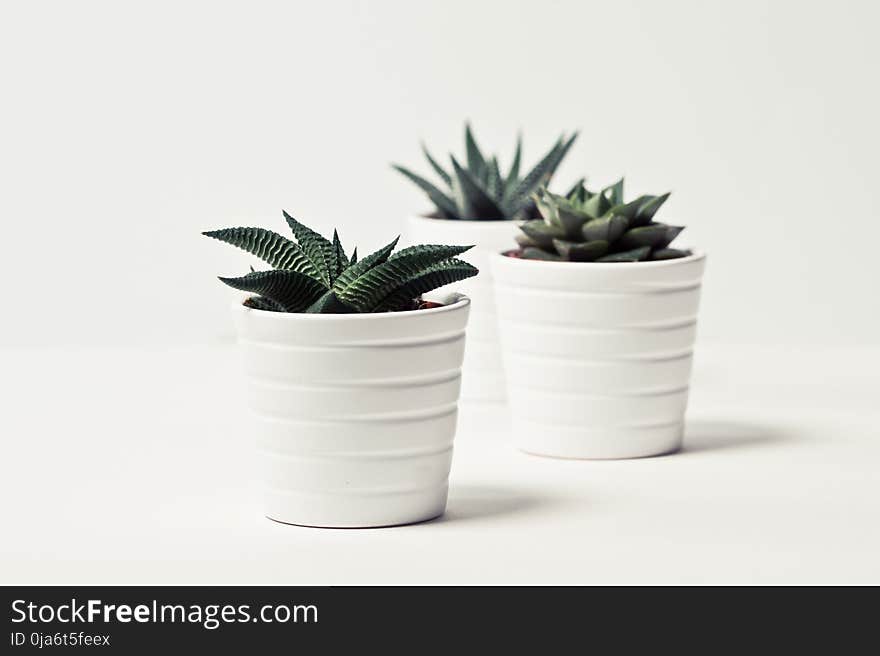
597, 355
355, 413
483, 377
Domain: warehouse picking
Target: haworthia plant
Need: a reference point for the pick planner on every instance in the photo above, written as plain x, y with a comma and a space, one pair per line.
315, 275
584, 226
478, 190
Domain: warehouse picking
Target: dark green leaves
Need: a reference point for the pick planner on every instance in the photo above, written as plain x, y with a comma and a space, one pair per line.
585, 251
324, 280
478, 191
277, 251
292, 290
369, 290
584, 226
446, 207
471, 197
318, 249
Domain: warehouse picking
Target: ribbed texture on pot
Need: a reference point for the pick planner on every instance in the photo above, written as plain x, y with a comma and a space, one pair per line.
483, 378
597, 356
356, 414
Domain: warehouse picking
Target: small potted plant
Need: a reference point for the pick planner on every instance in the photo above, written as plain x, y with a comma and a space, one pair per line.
353, 380
477, 202
597, 315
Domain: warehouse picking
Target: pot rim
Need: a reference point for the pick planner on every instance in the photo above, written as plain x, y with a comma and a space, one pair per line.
696, 256
461, 301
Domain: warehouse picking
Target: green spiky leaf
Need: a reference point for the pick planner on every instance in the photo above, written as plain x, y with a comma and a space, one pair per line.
585, 251
340, 259
292, 290
519, 200
634, 255
608, 228
437, 275
358, 269
329, 303
649, 208
260, 303
367, 291
650, 236
669, 254
541, 233
317, 248
439, 170
474, 201
476, 161
512, 179
444, 204
277, 251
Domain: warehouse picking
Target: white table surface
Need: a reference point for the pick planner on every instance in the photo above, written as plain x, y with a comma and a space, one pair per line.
132, 465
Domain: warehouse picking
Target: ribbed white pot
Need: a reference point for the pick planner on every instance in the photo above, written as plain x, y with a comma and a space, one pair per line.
355, 414
597, 356
483, 378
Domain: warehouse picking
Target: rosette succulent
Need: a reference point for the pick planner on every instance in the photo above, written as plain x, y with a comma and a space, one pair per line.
584, 226
315, 275
477, 190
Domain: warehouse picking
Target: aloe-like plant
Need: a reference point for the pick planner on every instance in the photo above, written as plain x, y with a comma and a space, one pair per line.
477, 190
316, 276
584, 226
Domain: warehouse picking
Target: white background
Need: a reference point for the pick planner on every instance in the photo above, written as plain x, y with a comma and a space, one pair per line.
129, 128
126, 129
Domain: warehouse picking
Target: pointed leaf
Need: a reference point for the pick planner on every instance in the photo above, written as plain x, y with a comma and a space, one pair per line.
649, 208
277, 251
512, 178
359, 268
329, 303
614, 192
671, 233
494, 185
524, 240
437, 275
585, 251
340, 259
634, 255
292, 290
574, 191
519, 202
476, 161
597, 205
354, 256
444, 204
541, 233
368, 290
475, 199
260, 303
669, 254
546, 207
608, 228
644, 236
317, 248
439, 170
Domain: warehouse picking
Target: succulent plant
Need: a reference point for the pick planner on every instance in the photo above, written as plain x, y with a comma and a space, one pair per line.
583, 226
479, 191
316, 276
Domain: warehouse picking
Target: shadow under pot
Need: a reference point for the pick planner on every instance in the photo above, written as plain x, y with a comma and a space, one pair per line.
356, 413
597, 356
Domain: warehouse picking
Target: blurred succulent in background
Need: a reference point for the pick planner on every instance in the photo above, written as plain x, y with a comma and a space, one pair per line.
583, 226
479, 191
316, 276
